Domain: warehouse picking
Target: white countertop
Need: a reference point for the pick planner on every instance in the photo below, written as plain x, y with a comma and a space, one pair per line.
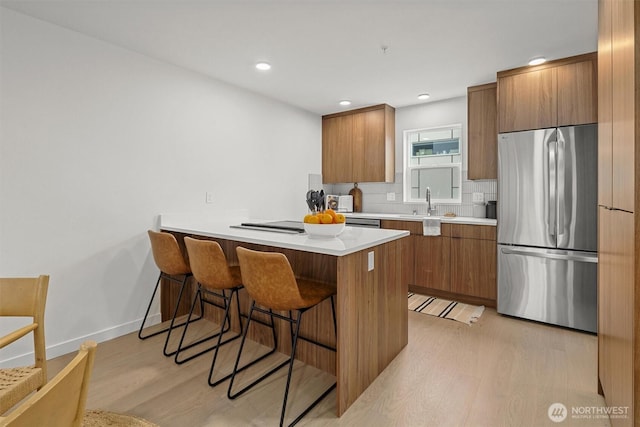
410, 217
352, 239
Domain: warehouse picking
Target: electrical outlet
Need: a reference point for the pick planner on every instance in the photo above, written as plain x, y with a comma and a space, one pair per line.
391, 197
478, 197
209, 197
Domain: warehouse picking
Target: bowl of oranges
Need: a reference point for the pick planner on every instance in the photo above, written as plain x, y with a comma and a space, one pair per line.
325, 224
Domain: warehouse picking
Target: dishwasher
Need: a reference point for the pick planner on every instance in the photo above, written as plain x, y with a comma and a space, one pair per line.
363, 222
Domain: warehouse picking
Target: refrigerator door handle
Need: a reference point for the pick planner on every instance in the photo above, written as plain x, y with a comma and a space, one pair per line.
563, 257
560, 184
551, 180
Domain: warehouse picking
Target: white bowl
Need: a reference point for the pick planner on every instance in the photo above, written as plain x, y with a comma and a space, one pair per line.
323, 230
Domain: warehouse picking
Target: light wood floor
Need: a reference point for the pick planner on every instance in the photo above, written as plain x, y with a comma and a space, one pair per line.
499, 372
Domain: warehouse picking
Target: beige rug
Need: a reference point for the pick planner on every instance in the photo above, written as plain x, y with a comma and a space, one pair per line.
99, 418
446, 309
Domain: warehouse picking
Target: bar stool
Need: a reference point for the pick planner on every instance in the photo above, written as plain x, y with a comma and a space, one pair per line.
171, 262
270, 282
215, 277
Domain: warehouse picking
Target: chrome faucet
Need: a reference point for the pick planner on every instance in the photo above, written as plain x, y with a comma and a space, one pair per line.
428, 200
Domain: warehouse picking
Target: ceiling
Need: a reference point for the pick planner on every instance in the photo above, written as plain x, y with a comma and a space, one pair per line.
323, 51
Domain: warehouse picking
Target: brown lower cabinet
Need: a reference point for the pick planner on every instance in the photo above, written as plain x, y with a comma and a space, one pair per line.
616, 313
473, 252
432, 260
460, 263
408, 245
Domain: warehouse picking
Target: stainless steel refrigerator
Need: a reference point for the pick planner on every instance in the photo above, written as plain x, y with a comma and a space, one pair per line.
547, 225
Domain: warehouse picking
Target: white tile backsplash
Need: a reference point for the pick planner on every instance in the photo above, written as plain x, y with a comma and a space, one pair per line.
374, 196
315, 181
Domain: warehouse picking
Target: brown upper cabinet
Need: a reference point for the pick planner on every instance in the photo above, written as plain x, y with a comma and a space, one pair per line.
557, 93
617, 104
359, 145
618, 219
482, 128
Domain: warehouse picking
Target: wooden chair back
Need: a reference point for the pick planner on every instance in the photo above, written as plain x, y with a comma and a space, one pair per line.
60, 403
26, 297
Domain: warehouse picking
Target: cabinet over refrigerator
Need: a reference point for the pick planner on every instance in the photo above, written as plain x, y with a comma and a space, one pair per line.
547, 225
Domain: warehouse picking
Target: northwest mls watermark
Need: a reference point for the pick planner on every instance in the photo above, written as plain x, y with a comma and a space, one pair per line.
557, 412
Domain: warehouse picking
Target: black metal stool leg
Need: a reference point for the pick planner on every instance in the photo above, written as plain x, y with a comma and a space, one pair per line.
155, 290
333, 312
224, 327
146, 314
184, 331
219, 344
231, 395
286, 390
201, 315
291, 326
327, 391
294, 343
244, 337
290, 361
173, 319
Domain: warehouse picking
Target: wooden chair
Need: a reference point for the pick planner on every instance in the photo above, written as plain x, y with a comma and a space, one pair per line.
169, 259
61, 402
271, 283
23, 297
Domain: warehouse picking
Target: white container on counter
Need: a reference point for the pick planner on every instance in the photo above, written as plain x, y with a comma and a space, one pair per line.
479, 207
479, 210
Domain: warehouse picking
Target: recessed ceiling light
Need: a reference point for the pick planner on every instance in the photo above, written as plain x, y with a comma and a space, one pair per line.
345, 102
263, 66
424, 96
537, 61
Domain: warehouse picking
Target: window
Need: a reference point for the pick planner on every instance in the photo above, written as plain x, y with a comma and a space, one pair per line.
433, 159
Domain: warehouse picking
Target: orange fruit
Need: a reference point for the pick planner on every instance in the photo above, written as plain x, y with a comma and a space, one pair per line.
340, 218
313, 219
332, 213
325, 218
306, 218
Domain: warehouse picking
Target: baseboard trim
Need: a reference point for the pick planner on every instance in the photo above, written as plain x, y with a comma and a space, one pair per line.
73, 345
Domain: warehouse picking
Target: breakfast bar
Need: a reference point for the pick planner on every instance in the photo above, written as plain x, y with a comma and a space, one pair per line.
371, 301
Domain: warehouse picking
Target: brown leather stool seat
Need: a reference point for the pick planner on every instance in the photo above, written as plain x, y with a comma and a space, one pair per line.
271, 283
169, 259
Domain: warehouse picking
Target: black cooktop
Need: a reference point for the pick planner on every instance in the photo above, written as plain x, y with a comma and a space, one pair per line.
277, 226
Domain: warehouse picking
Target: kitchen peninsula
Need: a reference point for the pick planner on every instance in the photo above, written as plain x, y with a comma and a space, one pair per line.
371, 302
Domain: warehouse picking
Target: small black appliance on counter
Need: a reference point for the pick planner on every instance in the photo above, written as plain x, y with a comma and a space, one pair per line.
491, 209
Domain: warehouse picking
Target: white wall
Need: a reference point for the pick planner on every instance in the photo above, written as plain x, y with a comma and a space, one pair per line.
431, 114
96, 141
